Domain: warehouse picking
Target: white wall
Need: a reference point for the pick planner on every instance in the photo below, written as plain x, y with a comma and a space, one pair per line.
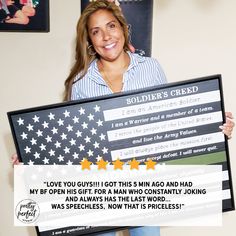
191, 38
195, 38
33, 69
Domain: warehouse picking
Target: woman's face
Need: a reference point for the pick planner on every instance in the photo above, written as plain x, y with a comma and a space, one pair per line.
106, 35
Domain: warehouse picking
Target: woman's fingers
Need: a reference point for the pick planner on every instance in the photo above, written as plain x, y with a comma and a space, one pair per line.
228, 126
15, 160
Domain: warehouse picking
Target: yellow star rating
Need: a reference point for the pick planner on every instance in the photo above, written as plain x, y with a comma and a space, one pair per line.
102, 164
150, 164
134, 164
118, 164
85, 164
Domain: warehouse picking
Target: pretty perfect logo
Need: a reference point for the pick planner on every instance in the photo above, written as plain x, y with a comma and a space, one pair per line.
27, 211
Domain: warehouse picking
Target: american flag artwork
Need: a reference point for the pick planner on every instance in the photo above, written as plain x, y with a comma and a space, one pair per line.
63, 135
176, 123
162, 123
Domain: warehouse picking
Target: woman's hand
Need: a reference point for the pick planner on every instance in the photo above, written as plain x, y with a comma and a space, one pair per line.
15, 160
227, 127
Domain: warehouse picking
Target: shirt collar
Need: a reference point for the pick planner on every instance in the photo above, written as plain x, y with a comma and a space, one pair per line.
95, 75
135, 59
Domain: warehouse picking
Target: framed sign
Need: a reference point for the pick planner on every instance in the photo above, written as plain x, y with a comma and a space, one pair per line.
24, 15
76, 231
138, 14
176, 123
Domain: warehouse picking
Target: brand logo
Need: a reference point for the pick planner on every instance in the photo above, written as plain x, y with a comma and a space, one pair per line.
27, 211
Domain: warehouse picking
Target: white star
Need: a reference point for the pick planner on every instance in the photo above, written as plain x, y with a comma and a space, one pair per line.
46, 160
93, 131
39, 133
90, 153
33, 141
66, 113
87, 139
72, 142
75, 155
45, 124
66, 150
51, 153
69, 163
24, 135
60, 158
36, 155
51, 116
90, 117
42, 147
64, 136
81, 147
85, 125
102, 136
96, 108
36, 119
96, 145
57, 144
20, 121
49, 139
76, 119
81, 111
60, 122
98, 158
78, 134
54, 130
99, 122
105, 150
30, 127
69, 128
30, 162
27, 149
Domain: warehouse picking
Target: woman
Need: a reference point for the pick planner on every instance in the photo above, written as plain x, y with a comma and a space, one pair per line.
104, 65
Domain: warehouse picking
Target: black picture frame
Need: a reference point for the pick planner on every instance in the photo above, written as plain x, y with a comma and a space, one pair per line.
205, 89
78, 231
25, 16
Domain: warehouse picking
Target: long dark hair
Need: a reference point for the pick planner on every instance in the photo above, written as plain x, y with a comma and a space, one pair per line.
83, 57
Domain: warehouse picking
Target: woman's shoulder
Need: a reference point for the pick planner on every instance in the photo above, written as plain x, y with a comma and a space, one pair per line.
146, 61
149, 64
142, 58
80, 76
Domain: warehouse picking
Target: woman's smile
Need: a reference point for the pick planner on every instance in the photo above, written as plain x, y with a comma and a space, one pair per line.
110, 46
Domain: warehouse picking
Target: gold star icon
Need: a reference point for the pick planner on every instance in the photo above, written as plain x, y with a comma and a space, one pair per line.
118, 164
102, 164
150, 164
85, 164
134, 164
